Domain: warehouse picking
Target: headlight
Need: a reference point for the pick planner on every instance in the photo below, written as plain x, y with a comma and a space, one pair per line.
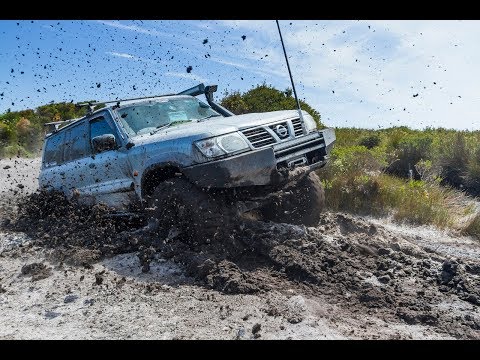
222, 145
209, 147
232, 143
310, 124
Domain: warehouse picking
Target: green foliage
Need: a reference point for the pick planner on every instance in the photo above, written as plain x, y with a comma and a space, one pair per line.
419, 202
14, 150
348, 179
235, 103
454, 160
406, 152
354, 183
358, 179
265, 98
472, 177
22, 132
473, 227
370, 141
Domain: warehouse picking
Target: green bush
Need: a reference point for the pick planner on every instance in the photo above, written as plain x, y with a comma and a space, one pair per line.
354, 183
407, 152
263, 98
472, 228
14, 151
370, 141
348, 178
453, 159
472, 173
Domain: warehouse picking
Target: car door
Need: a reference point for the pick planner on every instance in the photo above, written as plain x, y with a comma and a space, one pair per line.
66, 158
50, 177
110, 172
74, 170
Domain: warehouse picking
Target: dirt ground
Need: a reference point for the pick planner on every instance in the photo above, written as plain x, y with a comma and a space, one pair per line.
349, 277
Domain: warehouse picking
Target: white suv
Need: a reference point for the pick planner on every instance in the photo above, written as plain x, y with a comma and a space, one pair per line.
131, 152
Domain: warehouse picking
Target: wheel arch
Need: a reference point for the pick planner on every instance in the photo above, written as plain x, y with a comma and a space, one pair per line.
156, 174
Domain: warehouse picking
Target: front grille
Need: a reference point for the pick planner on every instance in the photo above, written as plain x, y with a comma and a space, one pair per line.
273, 134
258, 137
297, 127
283, 126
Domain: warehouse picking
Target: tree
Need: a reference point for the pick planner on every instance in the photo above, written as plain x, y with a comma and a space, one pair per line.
265, 98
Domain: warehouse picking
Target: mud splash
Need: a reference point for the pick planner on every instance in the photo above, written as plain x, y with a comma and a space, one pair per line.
362, 267
71, 233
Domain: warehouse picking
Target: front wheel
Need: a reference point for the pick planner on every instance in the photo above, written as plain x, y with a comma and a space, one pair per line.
177, 203
300, 202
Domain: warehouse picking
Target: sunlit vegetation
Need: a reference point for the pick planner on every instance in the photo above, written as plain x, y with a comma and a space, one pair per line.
264, 98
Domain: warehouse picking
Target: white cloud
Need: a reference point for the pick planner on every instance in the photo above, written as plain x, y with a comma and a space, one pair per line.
189, 76
135, 28
122, 55
129, 56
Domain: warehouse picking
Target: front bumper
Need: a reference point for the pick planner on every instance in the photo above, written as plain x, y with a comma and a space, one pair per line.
269, 166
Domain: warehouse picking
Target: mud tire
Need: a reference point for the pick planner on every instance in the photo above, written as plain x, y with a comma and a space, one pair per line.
178, 203
300, 202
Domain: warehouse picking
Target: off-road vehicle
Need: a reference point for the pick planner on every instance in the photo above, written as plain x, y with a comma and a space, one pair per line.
173, 155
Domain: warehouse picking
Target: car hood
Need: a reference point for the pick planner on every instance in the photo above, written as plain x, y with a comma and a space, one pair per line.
216, 126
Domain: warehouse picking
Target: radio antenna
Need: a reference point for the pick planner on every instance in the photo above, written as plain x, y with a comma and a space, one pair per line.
290, 73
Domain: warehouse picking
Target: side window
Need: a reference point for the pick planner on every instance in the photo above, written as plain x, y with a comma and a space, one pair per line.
53, 154
100, 126
76, 142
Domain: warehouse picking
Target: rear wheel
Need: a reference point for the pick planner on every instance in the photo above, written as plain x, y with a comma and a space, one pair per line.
300, 202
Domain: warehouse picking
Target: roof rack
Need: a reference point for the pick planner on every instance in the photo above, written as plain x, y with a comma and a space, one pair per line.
91, 104
55, 125
194, 91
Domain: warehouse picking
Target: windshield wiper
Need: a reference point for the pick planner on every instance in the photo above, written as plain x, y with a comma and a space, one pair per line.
161, 127
208, 117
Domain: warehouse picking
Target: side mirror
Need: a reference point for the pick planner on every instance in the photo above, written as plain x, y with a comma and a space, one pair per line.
104, 143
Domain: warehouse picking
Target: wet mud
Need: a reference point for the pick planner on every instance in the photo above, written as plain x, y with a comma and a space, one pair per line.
363, 267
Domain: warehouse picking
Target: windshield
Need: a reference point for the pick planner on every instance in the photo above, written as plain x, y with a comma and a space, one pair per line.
149, 116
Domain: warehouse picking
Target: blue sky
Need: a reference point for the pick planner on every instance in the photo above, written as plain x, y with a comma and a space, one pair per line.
355, 73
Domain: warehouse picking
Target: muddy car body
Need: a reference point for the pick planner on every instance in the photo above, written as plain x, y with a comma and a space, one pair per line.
119, 154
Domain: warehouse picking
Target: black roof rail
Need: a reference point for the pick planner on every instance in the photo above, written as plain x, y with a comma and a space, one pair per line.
193, 91
55, 125
196, 90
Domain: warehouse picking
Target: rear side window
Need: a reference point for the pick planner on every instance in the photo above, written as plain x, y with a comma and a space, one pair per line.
76, 142
53, 154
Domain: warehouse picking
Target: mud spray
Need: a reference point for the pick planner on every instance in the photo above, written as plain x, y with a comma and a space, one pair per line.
358, 264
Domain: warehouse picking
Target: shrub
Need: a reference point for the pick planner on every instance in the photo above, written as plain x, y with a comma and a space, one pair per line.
472, 173
370, 141
453, 159
419, 202
264, 98
354, 183
408, 152
473, 227
348, 178
14, 151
